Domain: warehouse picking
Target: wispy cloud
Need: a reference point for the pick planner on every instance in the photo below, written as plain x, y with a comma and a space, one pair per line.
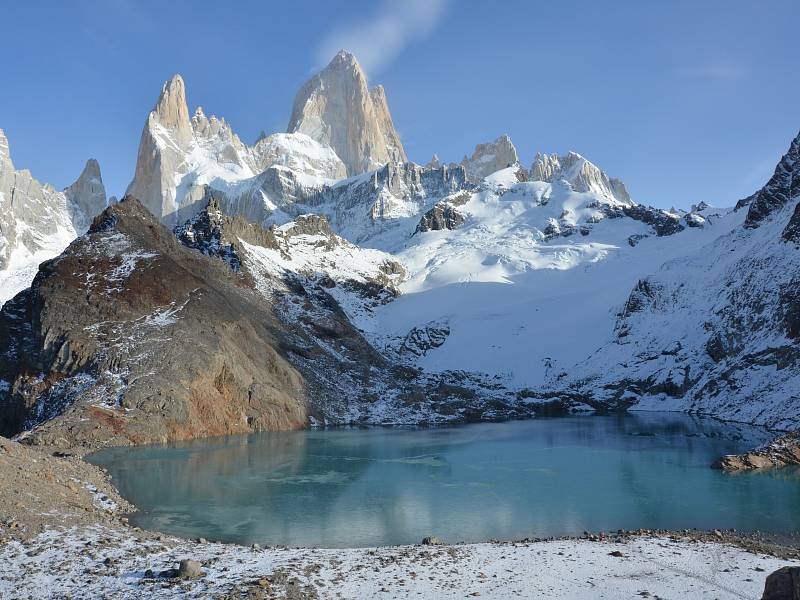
714, 72
760, 172
378, 40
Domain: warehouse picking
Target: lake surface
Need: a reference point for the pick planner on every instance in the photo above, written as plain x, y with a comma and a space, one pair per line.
543, 477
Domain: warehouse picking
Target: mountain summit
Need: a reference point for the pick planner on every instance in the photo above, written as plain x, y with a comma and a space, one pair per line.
337, 109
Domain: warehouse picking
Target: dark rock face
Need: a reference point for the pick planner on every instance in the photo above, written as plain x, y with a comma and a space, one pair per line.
662, 222
217, 234
783, 584
441, 216
130, 337
420, 340
792, 231
204, 233
782, 187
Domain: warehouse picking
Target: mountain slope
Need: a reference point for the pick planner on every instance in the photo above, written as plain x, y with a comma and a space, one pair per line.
132, 337
715, 331
37, 222
528, 280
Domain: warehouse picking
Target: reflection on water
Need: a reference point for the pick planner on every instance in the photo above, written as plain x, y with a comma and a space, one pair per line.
503, 480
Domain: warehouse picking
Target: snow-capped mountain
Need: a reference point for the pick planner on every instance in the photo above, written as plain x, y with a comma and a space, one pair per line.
714, 331
337, 109
178, 157
37, 221
394, 292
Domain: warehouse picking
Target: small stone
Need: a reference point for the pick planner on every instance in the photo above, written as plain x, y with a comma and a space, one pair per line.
616, 553
431, 541
717, 533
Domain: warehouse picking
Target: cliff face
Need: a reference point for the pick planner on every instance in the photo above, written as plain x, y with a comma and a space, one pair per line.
166, 137
337, 109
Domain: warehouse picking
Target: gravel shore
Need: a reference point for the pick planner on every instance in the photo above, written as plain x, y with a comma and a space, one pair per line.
63, 534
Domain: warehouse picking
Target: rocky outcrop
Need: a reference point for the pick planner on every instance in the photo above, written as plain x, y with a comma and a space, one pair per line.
214, 233
441, 216
783, 186
580, 174
420, 340
783, 584
489, 158
433, 163
780, 452
337, 109
791, 232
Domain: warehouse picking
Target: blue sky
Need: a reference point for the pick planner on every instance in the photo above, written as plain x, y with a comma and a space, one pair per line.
683, 100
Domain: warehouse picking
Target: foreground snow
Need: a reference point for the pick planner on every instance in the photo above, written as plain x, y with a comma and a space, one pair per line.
56, 564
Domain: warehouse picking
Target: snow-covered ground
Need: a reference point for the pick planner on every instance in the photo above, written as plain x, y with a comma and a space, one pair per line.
98, 562
519, 305
24, 264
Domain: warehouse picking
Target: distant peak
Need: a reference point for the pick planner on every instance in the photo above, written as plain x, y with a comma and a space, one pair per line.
5, 153
171, 110
345, 56
171, 88
171, 99
92, 168
344, 60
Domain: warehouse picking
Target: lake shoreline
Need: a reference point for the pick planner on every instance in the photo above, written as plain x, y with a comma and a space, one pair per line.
91, 549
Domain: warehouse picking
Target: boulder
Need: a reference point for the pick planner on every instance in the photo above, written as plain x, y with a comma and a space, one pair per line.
783, 584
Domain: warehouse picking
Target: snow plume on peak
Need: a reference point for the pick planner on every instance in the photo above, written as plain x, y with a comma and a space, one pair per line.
377, 41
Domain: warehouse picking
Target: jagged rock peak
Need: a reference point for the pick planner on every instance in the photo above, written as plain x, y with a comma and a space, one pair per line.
214, 127
580, 174
434, 162
337, 109
171, 110
490, 157
88, 192
779, 190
